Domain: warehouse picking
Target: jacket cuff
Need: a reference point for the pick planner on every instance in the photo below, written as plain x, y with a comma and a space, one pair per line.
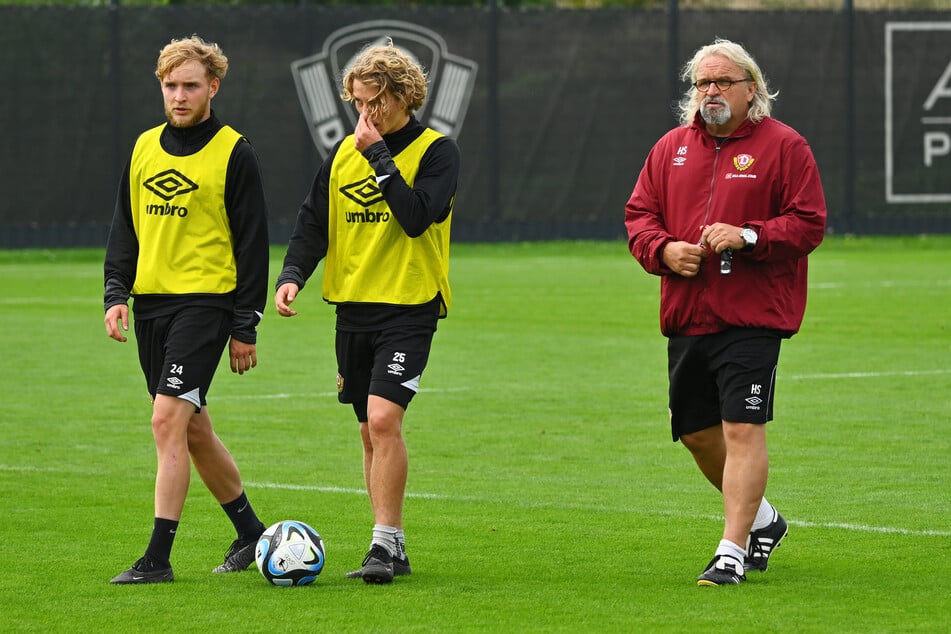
290, 274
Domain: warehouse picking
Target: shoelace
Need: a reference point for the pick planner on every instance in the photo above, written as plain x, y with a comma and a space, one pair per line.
760, 547
376, 551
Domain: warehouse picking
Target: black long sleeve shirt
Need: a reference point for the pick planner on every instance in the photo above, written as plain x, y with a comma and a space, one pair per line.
415, 208
246, 207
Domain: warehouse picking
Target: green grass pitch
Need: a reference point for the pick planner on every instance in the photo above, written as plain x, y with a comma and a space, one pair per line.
544, 492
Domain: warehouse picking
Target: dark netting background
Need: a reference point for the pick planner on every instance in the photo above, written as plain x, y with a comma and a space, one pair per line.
562, 114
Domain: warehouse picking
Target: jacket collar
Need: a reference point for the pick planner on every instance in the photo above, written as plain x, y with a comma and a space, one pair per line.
745, 128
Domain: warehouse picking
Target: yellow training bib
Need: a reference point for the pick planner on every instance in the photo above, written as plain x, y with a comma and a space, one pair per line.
370, 259
179, 215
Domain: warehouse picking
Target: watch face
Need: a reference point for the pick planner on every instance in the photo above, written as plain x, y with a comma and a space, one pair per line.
749, 236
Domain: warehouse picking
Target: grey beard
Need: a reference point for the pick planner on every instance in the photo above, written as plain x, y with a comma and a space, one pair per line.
716, 117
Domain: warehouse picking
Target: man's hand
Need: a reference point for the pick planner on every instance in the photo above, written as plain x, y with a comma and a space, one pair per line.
683, 258
117, 320
365, 134
243, 356
283, 298
720, 236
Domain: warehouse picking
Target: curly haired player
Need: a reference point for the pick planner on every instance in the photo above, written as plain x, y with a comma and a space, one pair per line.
378, 213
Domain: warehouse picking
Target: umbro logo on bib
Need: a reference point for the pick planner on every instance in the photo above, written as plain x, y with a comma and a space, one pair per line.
365, 193
169, 184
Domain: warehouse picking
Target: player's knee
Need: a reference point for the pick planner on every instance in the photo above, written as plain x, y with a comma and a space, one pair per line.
167, 428
743, 432
384, 425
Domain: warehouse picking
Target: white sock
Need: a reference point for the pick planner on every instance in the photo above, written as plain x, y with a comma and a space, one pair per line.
729, 549
385, 536
764, 515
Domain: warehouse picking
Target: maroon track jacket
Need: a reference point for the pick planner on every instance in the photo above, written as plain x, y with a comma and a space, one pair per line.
764, 176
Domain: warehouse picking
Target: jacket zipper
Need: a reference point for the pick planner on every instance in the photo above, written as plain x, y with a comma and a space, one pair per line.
706, 213
713, 174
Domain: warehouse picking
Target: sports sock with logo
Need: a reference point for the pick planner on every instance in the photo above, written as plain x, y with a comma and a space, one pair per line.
400, 539
246, 522
163, 536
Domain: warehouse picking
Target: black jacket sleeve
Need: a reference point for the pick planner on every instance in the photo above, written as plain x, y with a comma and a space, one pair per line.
309, 240
122, 249
247, 215
430, 198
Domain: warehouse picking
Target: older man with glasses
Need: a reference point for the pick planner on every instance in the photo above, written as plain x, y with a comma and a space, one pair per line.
733, 183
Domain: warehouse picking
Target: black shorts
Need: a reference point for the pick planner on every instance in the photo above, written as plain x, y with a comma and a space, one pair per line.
387, 363
729, 376
179, 353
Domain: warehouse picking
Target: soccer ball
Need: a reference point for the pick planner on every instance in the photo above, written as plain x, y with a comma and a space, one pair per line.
290, 553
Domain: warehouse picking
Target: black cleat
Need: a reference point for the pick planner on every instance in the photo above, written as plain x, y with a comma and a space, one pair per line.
377, 566
400, 568
722, 571
145, 570
763, 542
240, 555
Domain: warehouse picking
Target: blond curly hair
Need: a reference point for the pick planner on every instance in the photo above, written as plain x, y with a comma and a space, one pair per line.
385, 67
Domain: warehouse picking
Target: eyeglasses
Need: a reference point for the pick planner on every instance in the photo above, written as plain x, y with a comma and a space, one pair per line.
723, 84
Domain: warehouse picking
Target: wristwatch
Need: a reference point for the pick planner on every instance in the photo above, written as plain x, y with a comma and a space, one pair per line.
749, 237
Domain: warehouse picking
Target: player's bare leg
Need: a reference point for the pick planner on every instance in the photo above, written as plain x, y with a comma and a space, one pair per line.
170, 417
213, 461
389, 461
367, 458
219, 471
385, 466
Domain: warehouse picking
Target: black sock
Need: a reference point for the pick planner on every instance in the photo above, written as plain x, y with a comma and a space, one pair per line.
246, 523
160, 546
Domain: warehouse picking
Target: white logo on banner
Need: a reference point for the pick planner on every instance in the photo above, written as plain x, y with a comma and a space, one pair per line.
917, 113
451, 79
